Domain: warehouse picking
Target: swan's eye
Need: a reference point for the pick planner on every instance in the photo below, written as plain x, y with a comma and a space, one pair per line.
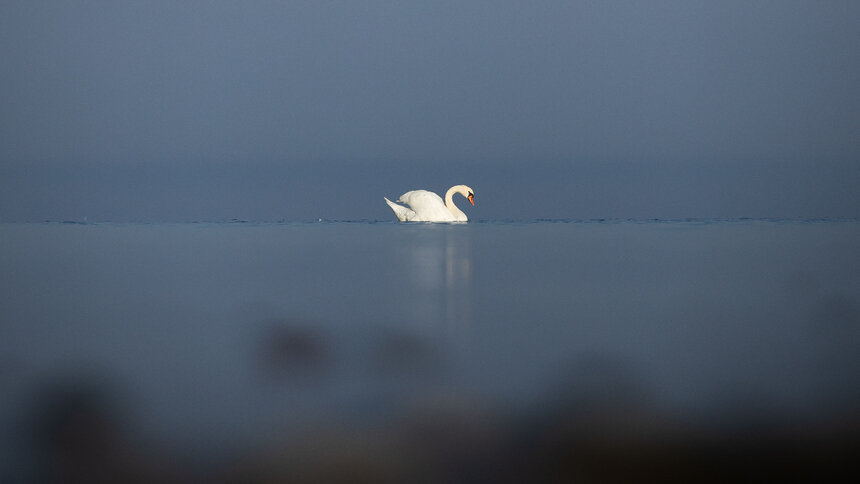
471, 195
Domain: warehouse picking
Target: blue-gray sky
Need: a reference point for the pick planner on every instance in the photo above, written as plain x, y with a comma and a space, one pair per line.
211, 110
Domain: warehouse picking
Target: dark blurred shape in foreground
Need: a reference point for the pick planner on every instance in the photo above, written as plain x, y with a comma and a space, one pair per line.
595, 425
294, 350
78, 436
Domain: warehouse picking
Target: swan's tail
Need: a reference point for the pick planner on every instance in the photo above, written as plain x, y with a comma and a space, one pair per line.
403, 214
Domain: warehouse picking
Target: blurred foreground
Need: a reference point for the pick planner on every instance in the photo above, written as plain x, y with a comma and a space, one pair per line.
594, 425
385, 353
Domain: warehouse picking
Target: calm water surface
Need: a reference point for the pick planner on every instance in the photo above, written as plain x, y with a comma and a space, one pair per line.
218, 337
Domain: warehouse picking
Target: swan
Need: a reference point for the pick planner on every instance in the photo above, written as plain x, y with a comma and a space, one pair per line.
424, 206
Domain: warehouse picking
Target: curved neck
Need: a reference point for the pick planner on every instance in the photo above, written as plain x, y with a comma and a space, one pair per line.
449, 204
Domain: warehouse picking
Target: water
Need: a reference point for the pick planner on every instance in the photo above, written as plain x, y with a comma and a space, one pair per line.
216, 340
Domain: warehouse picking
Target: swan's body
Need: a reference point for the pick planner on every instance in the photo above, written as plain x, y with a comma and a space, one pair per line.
424, 206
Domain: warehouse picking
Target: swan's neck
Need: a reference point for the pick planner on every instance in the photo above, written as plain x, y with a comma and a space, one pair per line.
449, 204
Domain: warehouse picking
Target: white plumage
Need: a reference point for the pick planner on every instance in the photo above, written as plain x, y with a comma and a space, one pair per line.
424, 206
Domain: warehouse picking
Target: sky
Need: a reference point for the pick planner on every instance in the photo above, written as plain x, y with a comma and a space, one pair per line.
283, 110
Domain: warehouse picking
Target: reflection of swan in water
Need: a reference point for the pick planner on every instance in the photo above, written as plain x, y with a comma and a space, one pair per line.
438, 270
424, 206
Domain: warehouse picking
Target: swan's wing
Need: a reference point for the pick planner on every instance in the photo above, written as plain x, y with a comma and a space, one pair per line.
421, 197
403, 214
428, 206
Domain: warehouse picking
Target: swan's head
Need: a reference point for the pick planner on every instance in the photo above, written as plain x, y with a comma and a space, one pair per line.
466, 192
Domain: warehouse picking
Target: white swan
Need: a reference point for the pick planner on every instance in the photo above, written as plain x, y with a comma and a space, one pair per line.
424, 206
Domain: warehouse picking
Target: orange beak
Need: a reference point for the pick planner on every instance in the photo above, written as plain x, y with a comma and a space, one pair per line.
472, 199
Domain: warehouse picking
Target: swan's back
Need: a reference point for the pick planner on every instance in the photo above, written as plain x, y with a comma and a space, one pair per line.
427, 206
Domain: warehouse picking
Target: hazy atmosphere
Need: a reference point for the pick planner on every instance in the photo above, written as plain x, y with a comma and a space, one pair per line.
659, 279
214, 110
